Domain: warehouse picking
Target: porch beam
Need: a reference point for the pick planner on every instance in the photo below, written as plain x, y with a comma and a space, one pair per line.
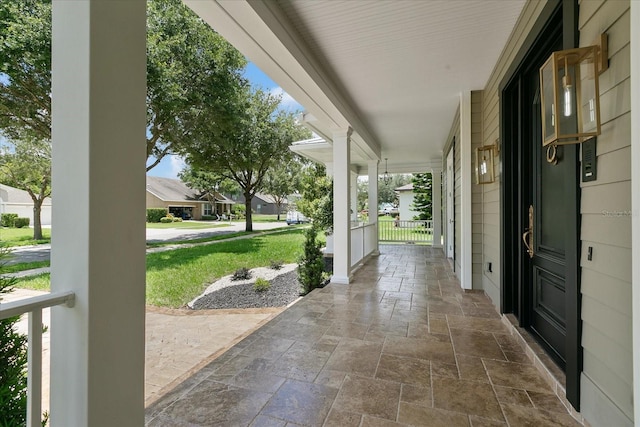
341, 198
372, 171
98, 252
436, 206
465, 191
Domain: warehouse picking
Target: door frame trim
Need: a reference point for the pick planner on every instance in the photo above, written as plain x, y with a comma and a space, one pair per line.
510, 222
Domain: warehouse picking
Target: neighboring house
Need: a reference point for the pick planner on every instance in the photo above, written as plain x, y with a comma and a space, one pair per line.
182, 201
13, 200
405, 202
262, 204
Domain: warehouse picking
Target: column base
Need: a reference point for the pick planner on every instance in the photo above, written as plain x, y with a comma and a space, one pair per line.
341, 280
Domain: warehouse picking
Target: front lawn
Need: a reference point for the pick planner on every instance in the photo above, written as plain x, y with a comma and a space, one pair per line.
177, 276
264, 218
22, 236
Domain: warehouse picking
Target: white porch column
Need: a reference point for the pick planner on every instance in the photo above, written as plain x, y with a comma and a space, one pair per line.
635, 201
436, 206
465, 190
373, 200
341, 197
354, 196
98, 246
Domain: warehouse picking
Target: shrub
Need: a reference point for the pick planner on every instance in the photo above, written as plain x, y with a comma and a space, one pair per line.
276, 264
261, 285
166, 219
208, 218
241, 274
177, 219
156, 214
310, 265
8, 219
21, 222
13, 363
239, 210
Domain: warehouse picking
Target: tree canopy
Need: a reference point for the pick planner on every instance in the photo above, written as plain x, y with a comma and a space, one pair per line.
282, 181
257, 140
25, 69
193, 77
193, 74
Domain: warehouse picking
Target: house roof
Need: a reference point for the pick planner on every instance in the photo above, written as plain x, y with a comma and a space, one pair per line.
172, 190
14, 195
408, 187
268, 198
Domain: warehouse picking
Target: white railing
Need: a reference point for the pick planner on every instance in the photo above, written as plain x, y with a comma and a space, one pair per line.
363, 242
34, 307
407, 231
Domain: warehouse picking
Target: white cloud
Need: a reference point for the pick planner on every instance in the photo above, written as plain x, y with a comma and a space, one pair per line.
177, 164
287, 102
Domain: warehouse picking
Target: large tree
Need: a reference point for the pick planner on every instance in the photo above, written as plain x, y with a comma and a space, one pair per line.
282, 181
26, 164
193, 74
422, 183
244, 152
25, 69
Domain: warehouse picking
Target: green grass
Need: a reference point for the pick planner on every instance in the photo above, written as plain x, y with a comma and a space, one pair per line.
41, 282
14, 268
203, 239
177, 276
22, 236
265, 218
191, 225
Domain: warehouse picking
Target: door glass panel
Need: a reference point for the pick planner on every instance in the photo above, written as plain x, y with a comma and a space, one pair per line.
553, 209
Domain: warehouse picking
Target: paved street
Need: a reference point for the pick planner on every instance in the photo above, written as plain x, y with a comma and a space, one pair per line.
154, 235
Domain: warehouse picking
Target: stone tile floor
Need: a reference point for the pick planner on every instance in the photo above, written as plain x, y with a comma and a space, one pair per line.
401, 345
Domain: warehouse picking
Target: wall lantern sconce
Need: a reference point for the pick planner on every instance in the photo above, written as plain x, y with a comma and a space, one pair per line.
386, 178
485, 172
570, 99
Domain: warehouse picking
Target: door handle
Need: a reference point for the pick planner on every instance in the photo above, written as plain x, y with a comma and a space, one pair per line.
527, 236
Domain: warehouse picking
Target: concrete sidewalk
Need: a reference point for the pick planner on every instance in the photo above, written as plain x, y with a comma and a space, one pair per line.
178, 342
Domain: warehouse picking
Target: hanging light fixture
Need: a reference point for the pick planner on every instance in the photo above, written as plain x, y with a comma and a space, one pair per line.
485, 155
570, 98
386, 178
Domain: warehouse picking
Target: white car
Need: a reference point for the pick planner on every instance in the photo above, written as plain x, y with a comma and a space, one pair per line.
295, 217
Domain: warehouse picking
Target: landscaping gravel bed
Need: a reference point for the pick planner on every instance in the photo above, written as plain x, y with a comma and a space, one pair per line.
284, 290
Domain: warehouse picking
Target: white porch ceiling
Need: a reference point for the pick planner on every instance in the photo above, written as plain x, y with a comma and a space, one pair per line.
393, 70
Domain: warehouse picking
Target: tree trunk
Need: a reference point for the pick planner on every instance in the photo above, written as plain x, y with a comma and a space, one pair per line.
247, 204
278, 210
37, 223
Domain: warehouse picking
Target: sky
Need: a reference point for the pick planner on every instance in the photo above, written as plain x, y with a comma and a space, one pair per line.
170, 166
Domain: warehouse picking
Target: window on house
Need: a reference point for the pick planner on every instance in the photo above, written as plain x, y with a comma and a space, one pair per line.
208, 209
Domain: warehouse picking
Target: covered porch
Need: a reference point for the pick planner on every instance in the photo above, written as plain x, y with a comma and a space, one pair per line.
403, 344
405, 326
